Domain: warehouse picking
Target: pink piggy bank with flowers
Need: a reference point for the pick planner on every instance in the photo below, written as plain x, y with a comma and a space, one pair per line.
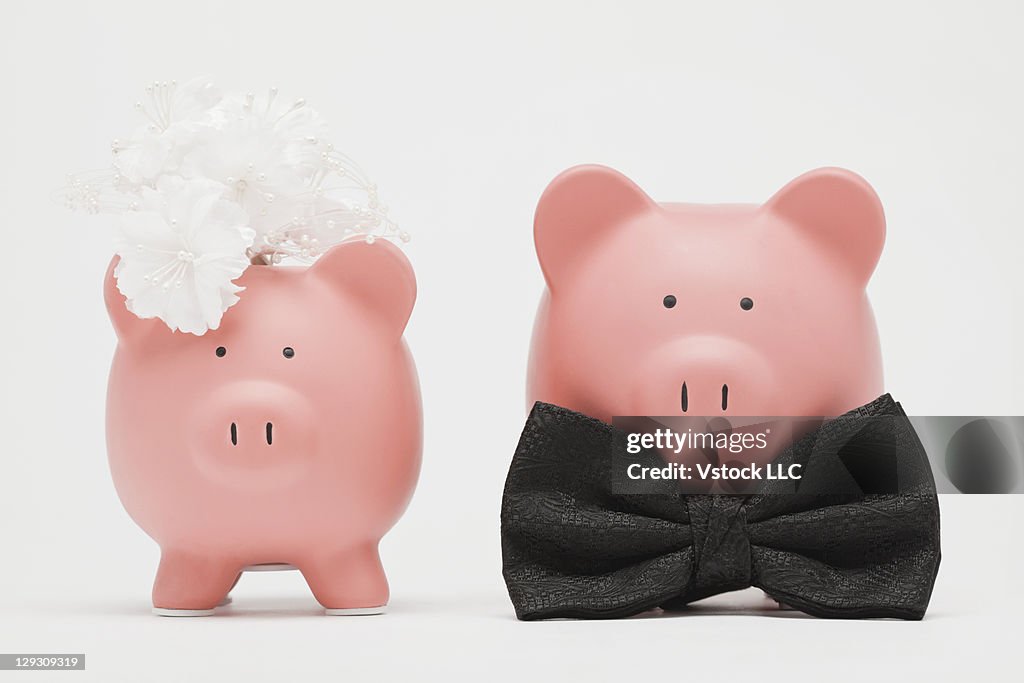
259, 416
288, 437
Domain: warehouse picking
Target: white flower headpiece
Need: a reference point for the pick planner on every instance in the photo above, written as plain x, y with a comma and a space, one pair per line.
214, 183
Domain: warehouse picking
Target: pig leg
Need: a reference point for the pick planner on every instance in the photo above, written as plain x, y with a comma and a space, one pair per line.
191, 585
227, 598
348, 582
780, 605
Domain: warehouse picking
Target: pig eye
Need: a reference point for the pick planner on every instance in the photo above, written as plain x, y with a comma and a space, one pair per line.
221, 352
288, 352
669, 301
746, 303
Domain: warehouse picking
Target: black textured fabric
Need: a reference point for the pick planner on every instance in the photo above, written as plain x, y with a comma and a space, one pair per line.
573, 548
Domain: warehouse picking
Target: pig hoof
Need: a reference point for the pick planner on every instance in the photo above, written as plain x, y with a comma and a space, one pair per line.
355, 611
165, 612
226, 601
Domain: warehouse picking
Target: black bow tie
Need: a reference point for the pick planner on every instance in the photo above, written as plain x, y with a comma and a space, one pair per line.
857, 537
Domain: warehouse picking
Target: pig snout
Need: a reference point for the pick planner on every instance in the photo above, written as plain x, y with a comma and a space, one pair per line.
250, 421
704, 376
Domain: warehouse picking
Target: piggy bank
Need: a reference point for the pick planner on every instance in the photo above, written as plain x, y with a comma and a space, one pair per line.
290, 437
712, 310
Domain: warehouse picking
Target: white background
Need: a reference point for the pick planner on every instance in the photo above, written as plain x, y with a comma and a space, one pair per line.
462, 113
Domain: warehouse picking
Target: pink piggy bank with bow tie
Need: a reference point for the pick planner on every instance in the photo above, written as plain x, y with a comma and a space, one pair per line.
290, 437
668, 309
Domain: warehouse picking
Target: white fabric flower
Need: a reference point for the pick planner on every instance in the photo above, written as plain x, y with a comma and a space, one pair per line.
144, 157
265, 152
180, 252
213, 183
176, 114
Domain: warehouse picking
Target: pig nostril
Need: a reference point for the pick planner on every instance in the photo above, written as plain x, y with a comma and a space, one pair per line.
725, 397
684, 399
234, 434
270, 434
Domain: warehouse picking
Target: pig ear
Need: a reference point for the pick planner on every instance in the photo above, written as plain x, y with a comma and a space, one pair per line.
576, 210
840, 211
378, 275
127, 325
